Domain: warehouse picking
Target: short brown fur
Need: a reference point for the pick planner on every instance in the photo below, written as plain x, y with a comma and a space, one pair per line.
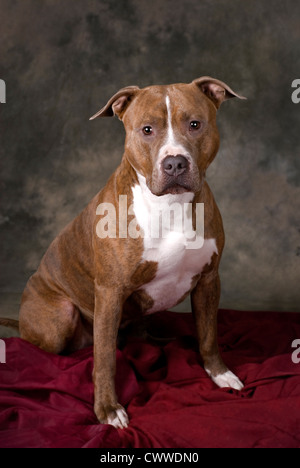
85, 285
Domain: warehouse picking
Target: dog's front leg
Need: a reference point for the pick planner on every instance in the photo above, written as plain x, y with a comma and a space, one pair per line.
205, 301
107, 316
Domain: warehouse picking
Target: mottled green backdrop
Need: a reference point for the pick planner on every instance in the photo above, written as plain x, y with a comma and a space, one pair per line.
62, 60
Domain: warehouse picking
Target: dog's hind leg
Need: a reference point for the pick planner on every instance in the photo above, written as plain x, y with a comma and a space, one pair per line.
53, 324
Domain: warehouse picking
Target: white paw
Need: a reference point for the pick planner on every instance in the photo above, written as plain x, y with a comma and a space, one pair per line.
118, 418
228, 379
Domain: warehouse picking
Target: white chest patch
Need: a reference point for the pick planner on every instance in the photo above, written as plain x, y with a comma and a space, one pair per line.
168, 245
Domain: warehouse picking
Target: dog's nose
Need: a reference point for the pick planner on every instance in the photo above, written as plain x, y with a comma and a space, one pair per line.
175, 165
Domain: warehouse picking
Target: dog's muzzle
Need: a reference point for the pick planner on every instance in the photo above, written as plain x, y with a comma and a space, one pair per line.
175, 166
175, 174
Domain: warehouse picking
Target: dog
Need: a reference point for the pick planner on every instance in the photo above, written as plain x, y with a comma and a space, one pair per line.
111, 264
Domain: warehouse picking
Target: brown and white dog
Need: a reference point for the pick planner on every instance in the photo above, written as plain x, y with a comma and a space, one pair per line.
91, 279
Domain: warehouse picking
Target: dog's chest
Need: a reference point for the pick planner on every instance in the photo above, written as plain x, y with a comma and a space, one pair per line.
177, 266
178, 261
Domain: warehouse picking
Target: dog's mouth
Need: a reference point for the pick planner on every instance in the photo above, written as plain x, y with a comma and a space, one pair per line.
176, 189
179, 185
172, 187
176, 185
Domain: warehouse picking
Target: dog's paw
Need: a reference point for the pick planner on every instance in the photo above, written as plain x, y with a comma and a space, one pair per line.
227, 379
118, 418
115, 416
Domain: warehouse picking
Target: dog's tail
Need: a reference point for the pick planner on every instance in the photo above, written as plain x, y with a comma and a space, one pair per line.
11, 323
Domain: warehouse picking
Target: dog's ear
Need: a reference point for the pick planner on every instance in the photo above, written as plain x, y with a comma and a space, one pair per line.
216, 90
118, 103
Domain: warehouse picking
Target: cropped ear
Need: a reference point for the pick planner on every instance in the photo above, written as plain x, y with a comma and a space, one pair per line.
216, 90
118, 104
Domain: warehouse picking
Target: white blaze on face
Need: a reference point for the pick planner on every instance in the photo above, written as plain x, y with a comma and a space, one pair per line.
171, 137
171, 147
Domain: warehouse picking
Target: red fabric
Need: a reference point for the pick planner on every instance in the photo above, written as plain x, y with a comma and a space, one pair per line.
47, 400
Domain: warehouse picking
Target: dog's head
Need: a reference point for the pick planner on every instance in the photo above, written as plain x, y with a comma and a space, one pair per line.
171, 131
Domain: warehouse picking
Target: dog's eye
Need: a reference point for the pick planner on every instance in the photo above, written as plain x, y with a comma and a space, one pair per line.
147, 130
195, 125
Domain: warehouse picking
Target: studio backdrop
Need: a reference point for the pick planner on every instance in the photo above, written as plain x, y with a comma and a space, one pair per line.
60, 61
